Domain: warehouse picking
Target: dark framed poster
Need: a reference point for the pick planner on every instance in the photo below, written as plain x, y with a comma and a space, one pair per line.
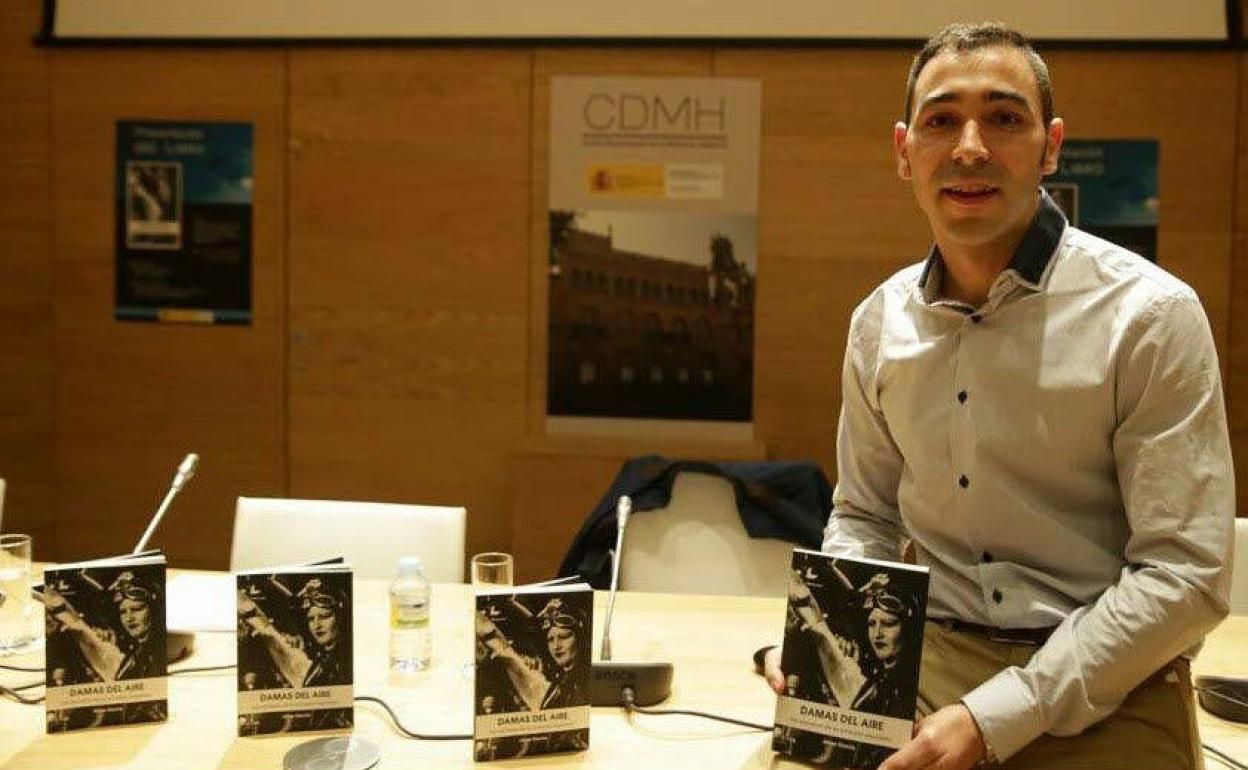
1108, 187
183, 235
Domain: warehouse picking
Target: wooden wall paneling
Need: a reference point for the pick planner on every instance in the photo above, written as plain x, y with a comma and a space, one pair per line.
548, 63
834, 221
26, 413
1237, 380
410, 211
1188, 103
133, 397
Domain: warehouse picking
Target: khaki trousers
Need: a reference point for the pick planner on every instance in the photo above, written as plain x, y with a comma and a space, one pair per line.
1155, 727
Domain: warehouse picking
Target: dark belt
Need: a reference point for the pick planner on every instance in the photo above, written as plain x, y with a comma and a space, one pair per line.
1031, 636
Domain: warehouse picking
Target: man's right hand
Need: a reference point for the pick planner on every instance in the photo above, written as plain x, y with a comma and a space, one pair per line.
772, 672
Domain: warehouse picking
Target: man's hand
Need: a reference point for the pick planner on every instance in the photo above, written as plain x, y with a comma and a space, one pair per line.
947, 740
772, 672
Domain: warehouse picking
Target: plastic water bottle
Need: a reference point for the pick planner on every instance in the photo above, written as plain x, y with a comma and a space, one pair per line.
409, 617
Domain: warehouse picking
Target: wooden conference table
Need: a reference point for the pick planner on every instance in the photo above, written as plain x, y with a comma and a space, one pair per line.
708, 638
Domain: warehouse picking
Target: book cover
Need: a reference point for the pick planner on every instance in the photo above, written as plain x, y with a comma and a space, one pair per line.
294, 649
105, 623
533, 670
853, 641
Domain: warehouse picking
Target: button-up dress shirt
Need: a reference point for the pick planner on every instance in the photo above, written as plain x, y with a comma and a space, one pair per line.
1059, 456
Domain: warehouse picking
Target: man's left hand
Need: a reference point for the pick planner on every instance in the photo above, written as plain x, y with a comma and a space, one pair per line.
947, 740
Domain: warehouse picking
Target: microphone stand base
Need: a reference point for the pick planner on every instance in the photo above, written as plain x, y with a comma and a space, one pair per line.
651, 682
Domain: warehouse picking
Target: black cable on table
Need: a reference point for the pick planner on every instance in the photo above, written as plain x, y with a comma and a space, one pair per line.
13, 692
198, 669
406, 732
26, 669
1224, 758
626, 694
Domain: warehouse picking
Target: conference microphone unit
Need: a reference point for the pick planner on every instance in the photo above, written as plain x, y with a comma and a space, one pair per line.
650, 682
178, 644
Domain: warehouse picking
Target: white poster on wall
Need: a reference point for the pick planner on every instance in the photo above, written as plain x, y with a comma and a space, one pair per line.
653, 255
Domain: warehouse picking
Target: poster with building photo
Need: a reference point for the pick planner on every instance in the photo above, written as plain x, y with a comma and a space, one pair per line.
183, 239
1108, 187
653, 251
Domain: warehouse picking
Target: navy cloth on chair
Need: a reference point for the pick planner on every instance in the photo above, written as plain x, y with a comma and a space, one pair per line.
783, 500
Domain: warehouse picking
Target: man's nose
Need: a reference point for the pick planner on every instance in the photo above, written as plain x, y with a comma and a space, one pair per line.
970, 148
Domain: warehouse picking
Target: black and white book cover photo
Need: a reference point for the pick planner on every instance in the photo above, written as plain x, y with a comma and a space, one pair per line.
533, 669
294, 650
853, 641
105, 625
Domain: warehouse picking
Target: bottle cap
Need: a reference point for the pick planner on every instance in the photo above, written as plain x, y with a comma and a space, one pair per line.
411, 565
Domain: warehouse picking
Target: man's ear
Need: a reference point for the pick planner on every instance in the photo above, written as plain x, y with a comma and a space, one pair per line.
1053, 146
900, 152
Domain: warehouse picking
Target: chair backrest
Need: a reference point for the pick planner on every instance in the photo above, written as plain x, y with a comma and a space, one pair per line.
1239, 569
697, 544
372, 536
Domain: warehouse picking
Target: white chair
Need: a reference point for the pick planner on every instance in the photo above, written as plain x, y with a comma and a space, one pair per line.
697, 544
372, 536
1239, 569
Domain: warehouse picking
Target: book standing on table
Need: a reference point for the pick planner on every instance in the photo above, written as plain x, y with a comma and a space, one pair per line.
105, 623
294, 649
531, 692
853, 640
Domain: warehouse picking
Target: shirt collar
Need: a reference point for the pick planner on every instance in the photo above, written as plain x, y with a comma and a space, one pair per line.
1032, 257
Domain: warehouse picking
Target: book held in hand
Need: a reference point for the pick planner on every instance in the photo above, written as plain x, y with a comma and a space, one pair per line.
105, 622
853, 641
533, 671
294, 649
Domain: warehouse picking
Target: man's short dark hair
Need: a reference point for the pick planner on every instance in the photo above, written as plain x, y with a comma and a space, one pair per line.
970, 37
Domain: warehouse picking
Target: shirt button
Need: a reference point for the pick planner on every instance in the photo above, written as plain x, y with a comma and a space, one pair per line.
962, 397
976, 318
964, 482
997, 596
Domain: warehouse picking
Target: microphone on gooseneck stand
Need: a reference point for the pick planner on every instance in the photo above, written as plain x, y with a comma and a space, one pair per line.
650, 682
184, 474
622, 509
178, 644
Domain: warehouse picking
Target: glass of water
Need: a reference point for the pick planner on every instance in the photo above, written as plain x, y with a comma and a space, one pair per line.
492, 570
17, 606
487, 571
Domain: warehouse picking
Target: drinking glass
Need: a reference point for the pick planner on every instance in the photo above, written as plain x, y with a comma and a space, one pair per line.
17, 606
487, 571
492, 570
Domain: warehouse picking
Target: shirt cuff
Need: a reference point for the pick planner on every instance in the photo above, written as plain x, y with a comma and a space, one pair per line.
1007, 715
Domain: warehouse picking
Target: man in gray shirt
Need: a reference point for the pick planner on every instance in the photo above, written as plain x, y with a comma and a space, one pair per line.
1041, 413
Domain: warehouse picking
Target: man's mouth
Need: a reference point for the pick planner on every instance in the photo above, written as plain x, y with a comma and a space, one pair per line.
969, 192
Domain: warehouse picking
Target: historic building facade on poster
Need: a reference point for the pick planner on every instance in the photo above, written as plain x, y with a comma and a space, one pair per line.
643, 336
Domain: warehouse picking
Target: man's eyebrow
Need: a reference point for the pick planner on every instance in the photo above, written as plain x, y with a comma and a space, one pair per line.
940, 97
1008, 96
996, 95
